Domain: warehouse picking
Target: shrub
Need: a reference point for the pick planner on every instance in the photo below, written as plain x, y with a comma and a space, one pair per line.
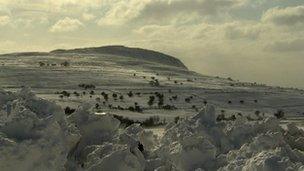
205, 102
257, 113
279, 114
69, 111
176, 119
106, 97
92, 92
97, 105
130, 94
41, 64
149, 122
114, 95
154, 83
187, 100
169, 107
76, 94
65, 64
151, 100
131, 108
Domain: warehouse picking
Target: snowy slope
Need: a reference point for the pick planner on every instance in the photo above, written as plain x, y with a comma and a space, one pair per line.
118, 69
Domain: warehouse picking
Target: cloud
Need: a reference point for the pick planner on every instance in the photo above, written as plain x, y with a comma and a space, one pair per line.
4, 20
123, 11
66, 25
239, 30
156, 10
88, 16
295, 45
285, 16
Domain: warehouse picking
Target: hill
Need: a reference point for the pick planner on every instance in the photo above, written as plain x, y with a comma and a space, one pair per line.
71, 77
137, 53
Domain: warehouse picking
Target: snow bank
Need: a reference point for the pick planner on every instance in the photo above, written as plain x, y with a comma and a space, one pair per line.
36, 135
33, 133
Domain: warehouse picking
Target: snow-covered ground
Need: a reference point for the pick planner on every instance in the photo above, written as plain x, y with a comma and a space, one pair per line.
121, 74
35, 134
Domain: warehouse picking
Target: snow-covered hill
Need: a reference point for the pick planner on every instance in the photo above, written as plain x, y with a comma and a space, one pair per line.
118, 108
137, 53
119, 70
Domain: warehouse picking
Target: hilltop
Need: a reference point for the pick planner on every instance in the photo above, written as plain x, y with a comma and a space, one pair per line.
137, 53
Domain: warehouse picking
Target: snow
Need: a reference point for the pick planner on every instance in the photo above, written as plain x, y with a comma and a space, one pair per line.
30, 140
36, 135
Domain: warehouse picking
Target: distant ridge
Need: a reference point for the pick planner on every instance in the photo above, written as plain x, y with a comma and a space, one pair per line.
138, 53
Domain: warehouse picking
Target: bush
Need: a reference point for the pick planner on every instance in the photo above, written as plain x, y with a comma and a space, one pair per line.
176, 119
130, 94
205, 102
154, 83
65, 64
114, 95
279, 114
76, 94
187, 100
87, 86
151, 101
169, 107
41, 64
69, 111
149, 122
97, 105
131, 108
65, 93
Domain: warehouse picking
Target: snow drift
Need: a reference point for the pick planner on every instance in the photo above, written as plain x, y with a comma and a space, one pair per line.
36, 135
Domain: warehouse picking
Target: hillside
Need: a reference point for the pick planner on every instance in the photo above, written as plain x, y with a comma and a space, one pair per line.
85, 75
137, 53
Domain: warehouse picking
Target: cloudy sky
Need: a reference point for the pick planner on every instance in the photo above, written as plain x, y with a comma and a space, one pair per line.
250, 40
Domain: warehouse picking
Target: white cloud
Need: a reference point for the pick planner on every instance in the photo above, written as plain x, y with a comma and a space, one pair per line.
285, 16
88, 16
66, 25
122, 12
4, 20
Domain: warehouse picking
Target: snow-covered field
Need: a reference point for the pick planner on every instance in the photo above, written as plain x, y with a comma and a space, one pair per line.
37, 132
121, 74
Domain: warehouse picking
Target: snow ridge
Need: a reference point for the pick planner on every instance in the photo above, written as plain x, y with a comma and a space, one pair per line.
36, 135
